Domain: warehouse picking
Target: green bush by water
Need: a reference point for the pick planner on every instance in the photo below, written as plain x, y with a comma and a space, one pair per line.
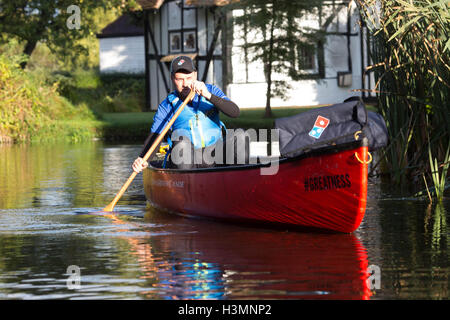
33, 110
102, 93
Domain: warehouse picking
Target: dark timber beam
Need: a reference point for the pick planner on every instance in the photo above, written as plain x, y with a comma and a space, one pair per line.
147, 64
210, 53
160, 65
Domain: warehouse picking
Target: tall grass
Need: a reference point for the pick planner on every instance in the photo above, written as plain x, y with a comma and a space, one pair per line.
411, 49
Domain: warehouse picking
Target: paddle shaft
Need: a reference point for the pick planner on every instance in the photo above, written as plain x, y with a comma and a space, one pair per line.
158, 140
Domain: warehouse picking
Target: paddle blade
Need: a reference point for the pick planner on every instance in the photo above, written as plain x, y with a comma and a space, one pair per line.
109, 207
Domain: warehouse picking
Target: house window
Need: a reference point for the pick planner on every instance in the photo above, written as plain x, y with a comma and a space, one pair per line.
189, 41
182, 25
306, 58
175, 41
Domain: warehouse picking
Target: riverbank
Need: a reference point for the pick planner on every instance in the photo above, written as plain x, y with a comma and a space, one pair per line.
117, 100
135, 126
38, 105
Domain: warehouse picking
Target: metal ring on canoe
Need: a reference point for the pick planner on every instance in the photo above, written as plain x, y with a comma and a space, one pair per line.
364, 162
356, 135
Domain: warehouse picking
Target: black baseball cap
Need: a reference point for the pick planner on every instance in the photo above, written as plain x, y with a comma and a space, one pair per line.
182, 63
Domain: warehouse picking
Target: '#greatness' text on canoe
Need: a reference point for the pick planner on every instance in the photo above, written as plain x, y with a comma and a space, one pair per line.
327, 182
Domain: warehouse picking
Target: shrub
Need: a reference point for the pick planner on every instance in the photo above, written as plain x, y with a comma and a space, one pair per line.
31, 109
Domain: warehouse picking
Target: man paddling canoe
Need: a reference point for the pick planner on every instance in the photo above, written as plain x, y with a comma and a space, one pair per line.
198, 126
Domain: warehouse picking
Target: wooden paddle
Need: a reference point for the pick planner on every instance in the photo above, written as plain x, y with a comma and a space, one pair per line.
111, 206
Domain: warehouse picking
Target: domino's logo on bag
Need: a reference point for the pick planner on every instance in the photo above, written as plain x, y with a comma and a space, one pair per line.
319, 127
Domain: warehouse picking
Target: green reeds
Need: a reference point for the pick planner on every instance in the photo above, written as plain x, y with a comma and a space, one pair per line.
439, 177
410, 54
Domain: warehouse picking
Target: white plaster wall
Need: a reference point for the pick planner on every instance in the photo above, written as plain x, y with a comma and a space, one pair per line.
248, 87
303, 93
122, 54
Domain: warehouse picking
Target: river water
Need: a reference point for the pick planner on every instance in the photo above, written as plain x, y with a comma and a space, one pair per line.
54, 244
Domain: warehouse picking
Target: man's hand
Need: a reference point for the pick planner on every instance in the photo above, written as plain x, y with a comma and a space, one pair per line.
139, 164
200, 88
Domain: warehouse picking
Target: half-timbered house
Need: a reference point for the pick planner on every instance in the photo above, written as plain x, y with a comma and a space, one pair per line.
197, 28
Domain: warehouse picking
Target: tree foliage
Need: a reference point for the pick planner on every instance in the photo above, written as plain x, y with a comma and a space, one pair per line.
274, 35
53, 22
30, 109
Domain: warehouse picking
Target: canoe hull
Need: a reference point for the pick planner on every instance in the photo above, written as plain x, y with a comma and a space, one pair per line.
326, 190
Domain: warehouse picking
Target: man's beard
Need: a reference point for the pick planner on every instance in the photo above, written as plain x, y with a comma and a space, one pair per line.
184, 93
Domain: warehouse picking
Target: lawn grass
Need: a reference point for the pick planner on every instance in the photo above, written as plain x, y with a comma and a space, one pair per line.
135, 126
254, 118
131, 126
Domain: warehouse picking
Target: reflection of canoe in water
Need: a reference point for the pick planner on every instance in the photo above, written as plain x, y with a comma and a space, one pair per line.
207, 260
325, 189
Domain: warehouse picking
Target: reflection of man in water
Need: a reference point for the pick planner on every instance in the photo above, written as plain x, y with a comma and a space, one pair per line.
190, 41
176, 42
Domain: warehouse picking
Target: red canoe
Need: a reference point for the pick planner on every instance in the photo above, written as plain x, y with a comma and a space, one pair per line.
324, 189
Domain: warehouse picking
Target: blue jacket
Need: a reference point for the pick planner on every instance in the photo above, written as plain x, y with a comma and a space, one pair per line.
199, 121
